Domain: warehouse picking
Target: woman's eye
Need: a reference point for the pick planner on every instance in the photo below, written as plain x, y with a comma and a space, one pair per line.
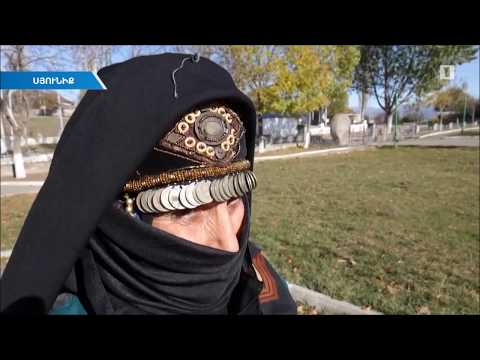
182, 214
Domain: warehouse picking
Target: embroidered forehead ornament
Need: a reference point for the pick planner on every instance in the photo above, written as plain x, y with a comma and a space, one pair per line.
210, 136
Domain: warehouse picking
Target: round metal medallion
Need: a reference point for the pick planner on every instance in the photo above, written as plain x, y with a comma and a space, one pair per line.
211, 128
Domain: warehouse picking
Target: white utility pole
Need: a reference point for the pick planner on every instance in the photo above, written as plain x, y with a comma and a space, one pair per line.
7, 113
60, 113
306, 145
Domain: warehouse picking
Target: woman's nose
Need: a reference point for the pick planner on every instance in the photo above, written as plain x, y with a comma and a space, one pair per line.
224, 223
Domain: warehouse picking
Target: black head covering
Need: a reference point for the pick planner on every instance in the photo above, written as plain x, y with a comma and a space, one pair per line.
106, 139
130, 267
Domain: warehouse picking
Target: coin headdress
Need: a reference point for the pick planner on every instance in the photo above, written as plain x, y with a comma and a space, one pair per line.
213, 138
110, 146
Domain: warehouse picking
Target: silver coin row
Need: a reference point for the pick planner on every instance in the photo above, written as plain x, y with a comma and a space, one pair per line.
194, 194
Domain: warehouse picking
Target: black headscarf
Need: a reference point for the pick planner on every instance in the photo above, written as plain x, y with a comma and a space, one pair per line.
107, 137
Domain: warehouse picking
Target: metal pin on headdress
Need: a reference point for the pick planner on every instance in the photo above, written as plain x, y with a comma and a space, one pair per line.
195, 59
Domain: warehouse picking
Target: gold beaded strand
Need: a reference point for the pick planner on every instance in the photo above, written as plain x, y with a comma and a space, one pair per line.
181, 175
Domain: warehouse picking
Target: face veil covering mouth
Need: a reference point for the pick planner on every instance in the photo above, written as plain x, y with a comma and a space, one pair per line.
130, 267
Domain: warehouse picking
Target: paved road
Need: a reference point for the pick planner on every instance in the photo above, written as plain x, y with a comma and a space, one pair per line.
445, 140
9, 188
337, 150
31, 184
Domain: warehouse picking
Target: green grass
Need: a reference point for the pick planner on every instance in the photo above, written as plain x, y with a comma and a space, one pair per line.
42, 148
395, 230
45, 125
297, 149
13, 212
471, 132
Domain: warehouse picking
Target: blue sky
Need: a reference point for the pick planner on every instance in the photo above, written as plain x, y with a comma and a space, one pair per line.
465, 73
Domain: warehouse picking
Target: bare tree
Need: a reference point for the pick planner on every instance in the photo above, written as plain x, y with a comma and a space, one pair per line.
136, 50
212, 52
18, 60
24, 58
92, 57
29, 57
362, 83
139, 50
